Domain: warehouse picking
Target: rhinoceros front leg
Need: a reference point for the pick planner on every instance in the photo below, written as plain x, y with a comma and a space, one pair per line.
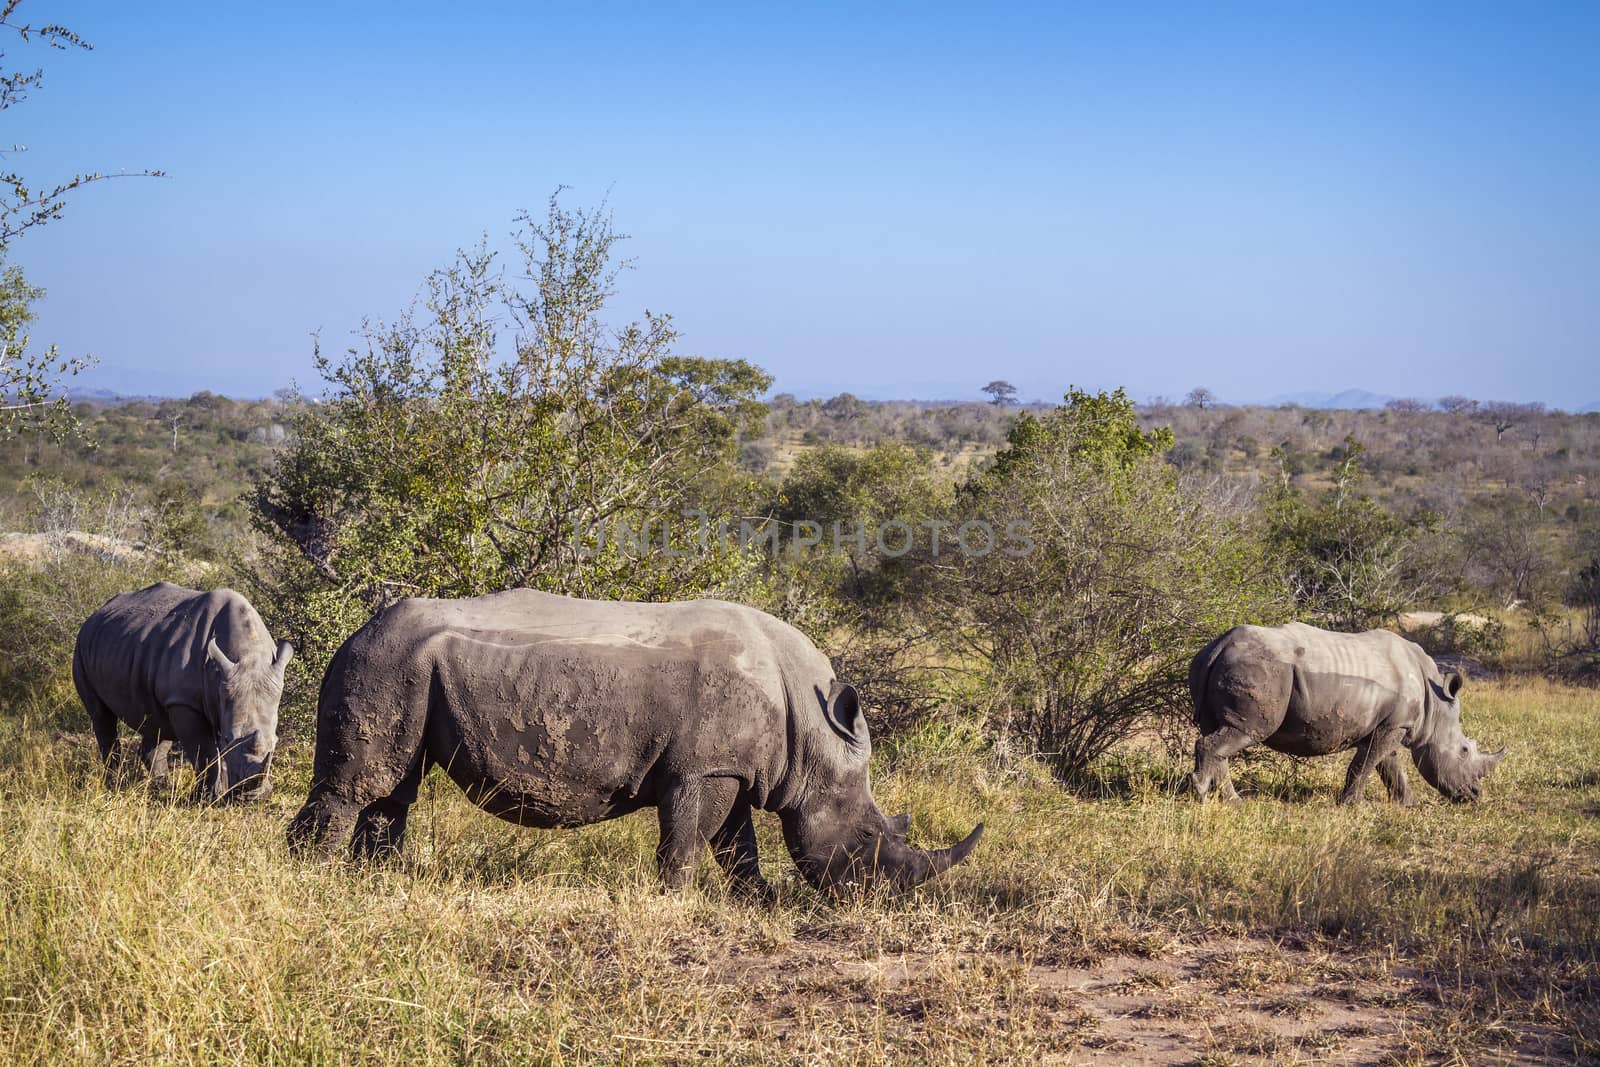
380, 830
156, 753
1378, 746
678, 812
726, 823
1392, 770
711, 811
1211, 755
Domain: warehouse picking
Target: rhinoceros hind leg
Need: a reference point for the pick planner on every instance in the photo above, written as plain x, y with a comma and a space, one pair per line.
101, 717
104, 721
1370, 754
1211, 755
732, 834
1393, 773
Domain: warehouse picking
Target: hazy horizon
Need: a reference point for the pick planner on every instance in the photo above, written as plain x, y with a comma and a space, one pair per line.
902, 203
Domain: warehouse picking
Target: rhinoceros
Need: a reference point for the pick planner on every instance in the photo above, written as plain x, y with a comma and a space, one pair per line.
1311, 692
198, 668
555, 712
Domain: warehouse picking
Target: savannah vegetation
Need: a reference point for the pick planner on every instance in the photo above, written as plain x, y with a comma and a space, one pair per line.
487, 435
1105, 914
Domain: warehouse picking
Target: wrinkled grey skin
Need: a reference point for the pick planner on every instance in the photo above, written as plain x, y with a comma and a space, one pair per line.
197, 668
554, 712
1311, 692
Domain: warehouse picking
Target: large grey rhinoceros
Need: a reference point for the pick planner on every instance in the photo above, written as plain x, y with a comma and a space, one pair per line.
194, 667
1311, 692
555, 712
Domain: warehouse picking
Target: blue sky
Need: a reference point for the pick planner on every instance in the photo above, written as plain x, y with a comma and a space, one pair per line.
903, 201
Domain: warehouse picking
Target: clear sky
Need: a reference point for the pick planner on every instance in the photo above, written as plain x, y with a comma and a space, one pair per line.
896, 200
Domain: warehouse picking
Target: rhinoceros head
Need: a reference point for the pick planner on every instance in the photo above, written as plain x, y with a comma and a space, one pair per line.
1449, 759
835, 832
242, 699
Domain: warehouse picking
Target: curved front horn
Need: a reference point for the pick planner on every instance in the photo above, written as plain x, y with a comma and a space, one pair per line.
907, 866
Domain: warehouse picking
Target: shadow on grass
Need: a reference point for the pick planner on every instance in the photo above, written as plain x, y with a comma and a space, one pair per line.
1137, 776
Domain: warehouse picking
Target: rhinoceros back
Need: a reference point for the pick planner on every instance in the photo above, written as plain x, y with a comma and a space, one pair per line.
1307, 691
144, 650
554, 711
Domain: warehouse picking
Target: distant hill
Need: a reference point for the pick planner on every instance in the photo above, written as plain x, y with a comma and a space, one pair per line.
110, 397
1589, 409
1350, 399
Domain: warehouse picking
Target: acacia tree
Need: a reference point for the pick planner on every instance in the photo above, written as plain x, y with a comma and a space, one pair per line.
1001, 392
573, 461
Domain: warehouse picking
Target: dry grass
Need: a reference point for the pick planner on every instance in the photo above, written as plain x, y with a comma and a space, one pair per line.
1130, 925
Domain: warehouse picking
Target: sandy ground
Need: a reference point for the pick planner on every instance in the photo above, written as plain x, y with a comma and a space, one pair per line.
1210, 1001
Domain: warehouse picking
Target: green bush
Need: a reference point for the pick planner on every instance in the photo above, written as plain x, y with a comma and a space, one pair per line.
42, 605
1088, 635
442, 466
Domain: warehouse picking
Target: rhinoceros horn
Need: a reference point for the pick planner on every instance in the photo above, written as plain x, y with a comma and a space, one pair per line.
907, 866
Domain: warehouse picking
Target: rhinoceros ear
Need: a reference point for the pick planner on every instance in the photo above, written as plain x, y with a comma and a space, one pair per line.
1453, 683
843, 712
219, 658
281, 660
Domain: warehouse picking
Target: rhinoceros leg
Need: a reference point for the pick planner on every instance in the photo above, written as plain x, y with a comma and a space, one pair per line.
1370, 754
1211, 755
727, 825
679, 813
156, 752
711, 811
195, 735
101, 717
1392, 770
381, 826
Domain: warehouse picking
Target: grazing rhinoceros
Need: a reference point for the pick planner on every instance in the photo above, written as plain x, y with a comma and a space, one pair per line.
554, 712
1311, 692
197, 668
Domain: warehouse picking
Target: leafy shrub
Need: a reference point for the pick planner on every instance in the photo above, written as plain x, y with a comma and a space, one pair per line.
1088, 635
439, 466
859, 603
1458, 634
42, 605
1349, 563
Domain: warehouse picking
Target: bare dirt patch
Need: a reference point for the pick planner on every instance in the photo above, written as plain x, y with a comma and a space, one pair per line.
1206, 1001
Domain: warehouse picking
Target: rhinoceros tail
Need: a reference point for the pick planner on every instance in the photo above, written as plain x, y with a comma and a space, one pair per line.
1199, 678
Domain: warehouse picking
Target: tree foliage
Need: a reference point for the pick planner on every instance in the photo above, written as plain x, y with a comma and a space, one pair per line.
1348, 563
1129, 570
31, 398
574, 461
31, 393
859, 590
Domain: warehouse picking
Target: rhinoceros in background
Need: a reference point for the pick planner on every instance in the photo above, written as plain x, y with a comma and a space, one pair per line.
180, 665
554, 712
1311, 692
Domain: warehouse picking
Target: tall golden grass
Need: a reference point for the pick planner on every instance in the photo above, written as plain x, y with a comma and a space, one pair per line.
137, 929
